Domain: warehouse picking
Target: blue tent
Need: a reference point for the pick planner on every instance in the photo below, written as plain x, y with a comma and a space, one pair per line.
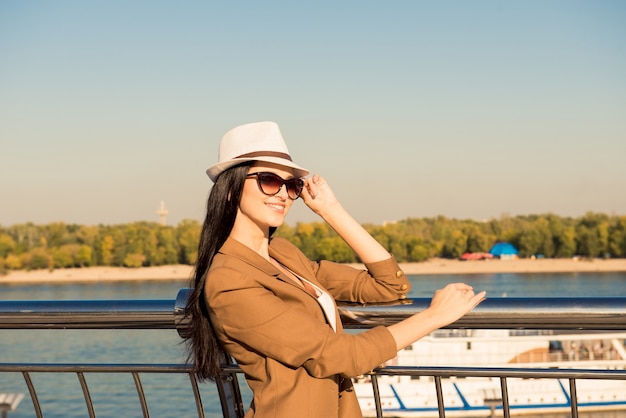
503, 249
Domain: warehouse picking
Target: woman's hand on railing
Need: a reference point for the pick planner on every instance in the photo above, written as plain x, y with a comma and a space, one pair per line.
452, 302
447, 305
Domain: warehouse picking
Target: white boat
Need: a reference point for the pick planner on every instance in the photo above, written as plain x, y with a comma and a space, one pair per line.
403, 396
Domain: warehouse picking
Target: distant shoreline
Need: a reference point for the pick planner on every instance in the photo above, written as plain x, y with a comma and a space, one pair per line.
430, 267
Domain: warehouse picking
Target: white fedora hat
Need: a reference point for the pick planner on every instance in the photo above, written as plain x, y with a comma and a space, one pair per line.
259, 141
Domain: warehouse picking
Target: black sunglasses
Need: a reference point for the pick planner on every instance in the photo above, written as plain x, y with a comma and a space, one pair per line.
270, 184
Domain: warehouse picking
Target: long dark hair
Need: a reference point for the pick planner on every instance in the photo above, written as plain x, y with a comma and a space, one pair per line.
204, 350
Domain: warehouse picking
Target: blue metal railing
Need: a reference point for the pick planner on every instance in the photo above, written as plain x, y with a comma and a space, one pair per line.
495, 313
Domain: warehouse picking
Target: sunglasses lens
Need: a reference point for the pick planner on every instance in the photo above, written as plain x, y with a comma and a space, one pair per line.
271, 183
294, 187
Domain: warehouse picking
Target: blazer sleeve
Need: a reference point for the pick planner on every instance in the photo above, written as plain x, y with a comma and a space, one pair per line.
251, 315
383, 281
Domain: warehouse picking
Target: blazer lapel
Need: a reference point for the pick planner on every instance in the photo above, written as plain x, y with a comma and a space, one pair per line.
234, 248
286, 257
291, 260
295, 261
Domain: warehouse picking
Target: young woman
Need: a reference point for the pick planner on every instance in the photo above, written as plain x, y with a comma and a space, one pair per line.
261, 301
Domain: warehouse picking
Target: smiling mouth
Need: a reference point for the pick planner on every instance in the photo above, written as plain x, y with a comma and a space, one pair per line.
276, 206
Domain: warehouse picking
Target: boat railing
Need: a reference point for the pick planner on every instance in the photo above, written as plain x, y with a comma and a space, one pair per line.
584, 314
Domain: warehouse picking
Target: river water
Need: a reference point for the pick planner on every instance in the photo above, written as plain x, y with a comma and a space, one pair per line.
169, 395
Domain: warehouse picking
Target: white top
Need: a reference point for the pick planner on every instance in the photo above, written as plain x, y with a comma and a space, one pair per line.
326, 302
323, 298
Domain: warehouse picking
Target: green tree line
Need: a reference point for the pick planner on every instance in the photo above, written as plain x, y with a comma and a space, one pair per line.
59, 245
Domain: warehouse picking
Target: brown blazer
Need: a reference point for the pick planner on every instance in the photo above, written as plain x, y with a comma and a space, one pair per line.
294, 362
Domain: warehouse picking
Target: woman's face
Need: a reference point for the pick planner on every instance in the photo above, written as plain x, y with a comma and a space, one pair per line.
259, 209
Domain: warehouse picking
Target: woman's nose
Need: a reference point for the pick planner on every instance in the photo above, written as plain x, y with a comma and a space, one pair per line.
282, 192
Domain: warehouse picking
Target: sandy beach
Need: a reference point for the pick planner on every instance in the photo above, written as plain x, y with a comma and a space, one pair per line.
434, 266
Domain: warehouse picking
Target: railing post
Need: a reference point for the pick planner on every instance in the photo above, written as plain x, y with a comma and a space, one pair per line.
440, 402
506, 410
227, 385
573, 397
379, 408
229, 393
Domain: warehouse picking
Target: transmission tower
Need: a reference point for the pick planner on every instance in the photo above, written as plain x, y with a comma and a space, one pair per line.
162, 212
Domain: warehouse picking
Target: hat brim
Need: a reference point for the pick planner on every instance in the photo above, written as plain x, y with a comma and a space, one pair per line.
215, 170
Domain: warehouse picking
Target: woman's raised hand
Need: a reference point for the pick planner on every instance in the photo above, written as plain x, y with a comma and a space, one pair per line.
320, 198
318, 195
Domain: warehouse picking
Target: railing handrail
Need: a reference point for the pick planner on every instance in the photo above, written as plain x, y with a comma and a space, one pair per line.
583, 313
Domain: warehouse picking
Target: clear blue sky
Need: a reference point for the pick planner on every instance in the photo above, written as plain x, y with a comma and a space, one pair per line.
468, 109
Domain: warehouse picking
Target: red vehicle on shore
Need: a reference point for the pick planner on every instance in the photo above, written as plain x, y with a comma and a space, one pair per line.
476, 256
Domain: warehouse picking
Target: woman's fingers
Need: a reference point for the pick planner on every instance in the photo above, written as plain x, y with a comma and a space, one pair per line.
479, 297
455, 300
311, 185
